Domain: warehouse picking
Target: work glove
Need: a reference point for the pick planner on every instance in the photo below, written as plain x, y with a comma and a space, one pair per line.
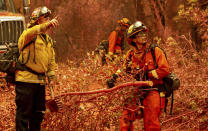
111, 82
109, 58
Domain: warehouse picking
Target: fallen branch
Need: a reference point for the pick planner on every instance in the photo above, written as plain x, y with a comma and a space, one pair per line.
137, 83
179, 116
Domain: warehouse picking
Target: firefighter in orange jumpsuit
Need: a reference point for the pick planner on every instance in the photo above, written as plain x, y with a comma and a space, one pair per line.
138, 58
116, 37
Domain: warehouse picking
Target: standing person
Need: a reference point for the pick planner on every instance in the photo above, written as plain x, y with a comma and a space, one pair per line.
38, 57
116, 37
140, 64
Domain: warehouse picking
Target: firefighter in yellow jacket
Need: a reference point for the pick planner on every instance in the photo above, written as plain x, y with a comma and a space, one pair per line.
38, 57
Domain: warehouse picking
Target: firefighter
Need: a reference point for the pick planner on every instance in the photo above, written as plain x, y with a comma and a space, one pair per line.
39, 60
116, 38
139, 63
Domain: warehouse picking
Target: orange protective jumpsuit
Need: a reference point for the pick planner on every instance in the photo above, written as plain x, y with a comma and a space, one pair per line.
116, 41
153, 102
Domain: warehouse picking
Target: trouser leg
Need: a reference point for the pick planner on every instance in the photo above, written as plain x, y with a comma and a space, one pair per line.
152, 111
129, 114
24, 103
126, 124
35, 121
30, 101
37, 116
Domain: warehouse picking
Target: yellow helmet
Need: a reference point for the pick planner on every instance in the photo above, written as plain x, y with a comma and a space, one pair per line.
125, 22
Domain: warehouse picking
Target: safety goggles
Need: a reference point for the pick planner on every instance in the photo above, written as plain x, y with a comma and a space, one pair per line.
46, 16
141, 34
140, 37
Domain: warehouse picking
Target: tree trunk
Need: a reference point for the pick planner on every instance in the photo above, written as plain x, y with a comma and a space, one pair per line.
159, 14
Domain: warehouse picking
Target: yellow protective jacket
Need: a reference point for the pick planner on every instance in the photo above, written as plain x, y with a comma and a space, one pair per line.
40, 53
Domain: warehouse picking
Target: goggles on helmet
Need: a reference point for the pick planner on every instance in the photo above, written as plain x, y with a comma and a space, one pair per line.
140, 34
41, 11
135, 28
37, 13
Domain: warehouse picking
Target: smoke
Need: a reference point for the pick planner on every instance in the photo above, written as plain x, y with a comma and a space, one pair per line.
83, 24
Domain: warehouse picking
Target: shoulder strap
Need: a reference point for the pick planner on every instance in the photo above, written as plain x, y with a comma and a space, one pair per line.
171, 107
130, 55
152, 49
23, 65
33, 40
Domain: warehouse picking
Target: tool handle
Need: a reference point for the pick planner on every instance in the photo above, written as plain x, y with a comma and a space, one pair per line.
51, 90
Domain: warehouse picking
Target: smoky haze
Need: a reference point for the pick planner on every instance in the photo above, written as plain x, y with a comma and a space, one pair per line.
84, 23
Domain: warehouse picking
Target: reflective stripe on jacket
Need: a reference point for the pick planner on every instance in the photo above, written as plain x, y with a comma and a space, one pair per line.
40, 53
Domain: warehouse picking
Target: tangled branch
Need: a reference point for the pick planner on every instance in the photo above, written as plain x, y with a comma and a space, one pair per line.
92, 110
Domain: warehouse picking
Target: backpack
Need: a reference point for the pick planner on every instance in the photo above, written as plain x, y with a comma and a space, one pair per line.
170, 82
9, 62
103, 45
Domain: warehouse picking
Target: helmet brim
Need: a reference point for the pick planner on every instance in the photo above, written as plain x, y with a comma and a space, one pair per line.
133, 34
